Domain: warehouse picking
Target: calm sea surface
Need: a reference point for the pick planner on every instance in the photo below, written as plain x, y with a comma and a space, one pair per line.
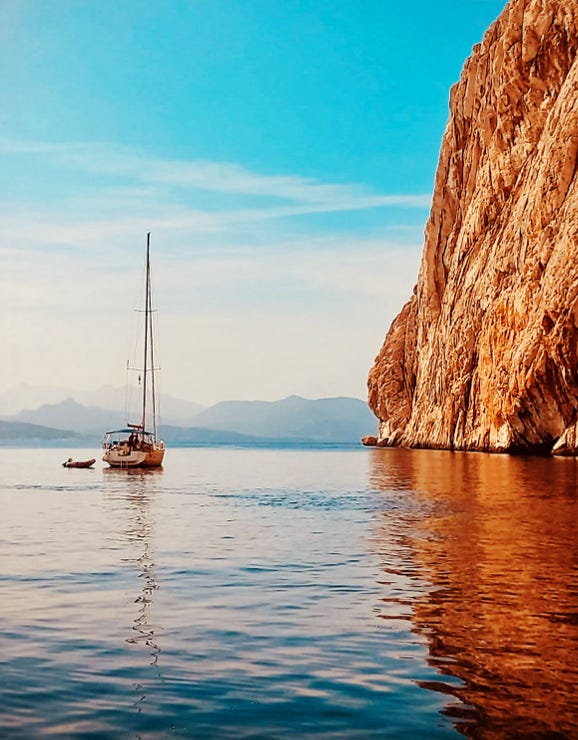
284, 593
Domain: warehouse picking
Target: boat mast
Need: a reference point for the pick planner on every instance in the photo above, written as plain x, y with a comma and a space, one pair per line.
153, 368
146, 334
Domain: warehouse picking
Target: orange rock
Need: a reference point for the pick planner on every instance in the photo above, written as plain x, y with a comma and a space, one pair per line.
369, 441
484, 354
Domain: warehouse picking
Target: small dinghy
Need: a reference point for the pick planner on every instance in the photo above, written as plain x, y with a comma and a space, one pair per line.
70, 463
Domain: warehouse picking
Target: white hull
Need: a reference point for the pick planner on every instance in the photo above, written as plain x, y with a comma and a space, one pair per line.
124, 455
134, 460
117, 459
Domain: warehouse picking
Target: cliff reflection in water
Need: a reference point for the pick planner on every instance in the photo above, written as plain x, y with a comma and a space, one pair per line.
493, 548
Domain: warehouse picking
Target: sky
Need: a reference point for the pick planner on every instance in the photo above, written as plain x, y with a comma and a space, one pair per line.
282, 155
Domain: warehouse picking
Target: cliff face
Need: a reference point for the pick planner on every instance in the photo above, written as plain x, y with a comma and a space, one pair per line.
483, 356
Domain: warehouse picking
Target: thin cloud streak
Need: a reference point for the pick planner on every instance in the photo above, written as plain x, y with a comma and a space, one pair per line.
225, 177
215, 177
244, 279
317, 308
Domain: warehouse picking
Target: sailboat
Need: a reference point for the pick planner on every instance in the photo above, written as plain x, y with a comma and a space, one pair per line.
137, 446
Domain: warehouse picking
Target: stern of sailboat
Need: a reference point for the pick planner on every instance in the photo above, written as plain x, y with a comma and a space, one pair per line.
154, 457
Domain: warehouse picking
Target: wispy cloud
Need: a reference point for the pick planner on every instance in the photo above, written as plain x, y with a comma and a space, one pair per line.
315, 310
224, 177
245, 279
134, 176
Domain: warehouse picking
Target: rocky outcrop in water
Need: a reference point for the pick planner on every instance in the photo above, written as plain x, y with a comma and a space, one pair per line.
483, 356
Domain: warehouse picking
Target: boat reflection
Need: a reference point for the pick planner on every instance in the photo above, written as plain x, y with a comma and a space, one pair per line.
493, 584
134, 489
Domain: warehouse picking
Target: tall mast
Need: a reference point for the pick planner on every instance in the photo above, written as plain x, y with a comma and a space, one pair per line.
146, 334
153, 368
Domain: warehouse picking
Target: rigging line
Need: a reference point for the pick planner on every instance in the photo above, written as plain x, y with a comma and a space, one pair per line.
132, 387
145, 356
152, 359
153, 389
151, 335
127, 391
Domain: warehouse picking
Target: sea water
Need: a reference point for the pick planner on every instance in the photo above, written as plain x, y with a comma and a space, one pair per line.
289, 593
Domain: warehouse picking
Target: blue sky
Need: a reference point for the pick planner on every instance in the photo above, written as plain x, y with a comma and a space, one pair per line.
281, 153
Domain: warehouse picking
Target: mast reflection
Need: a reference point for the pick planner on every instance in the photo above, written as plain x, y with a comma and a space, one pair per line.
137, 487
489, 543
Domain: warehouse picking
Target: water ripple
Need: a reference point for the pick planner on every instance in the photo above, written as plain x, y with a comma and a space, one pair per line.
290, 593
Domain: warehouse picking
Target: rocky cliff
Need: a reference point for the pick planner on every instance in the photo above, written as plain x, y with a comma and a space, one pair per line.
483, 356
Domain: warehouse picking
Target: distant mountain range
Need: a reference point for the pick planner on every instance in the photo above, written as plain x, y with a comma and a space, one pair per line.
290, 420
324, 420
12, 432
107, 397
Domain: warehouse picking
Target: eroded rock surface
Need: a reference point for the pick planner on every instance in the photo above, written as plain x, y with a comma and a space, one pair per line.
483, 356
